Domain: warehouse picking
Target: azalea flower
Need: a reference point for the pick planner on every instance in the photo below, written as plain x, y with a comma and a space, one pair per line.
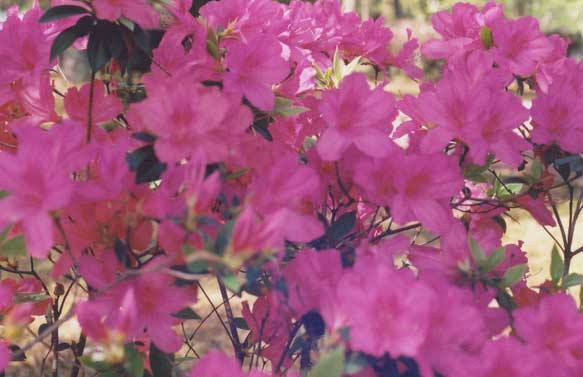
356, 115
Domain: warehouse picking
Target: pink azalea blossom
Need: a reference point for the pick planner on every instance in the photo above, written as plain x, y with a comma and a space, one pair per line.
419, 187
312, 278
25, 47
181, 118
554, 328
139, 11
105, 107
38, 183
133, 306
479, 113
356, 115
557, 116
520, 45
253, 67
389, 318
507, 357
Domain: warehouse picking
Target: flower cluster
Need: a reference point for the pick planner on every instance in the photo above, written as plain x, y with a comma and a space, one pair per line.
249, 141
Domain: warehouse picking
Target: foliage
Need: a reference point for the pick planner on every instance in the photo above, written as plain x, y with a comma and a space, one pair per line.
367, 226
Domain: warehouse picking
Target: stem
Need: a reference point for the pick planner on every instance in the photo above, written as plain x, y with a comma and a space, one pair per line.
78, 352
55, 340
216, 312
90, 109
234, 334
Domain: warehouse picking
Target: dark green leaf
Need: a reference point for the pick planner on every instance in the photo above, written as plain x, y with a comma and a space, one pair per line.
14, 247
505, 300
160, 362
141, 39
261, 126
342, 226
98, 53
514, 274
63, 41
187, 313
144, 136
196, 5
572, 280
115, 46
240, 323
122, 252
146, 164
134, 363
224, 237
62, 11
557, 266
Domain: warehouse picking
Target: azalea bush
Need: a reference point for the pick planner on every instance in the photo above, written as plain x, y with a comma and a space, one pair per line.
253, 143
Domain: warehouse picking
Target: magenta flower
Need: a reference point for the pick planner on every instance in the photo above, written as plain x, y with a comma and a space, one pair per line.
554, 328
520, 45
557, 116
356, 115
180, 118
252, 69
105, 107
25, 47
139, 11
38, 183
388, 318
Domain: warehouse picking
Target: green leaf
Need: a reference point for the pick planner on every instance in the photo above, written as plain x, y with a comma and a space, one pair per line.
330, 365
224, 237
187, 313
62, 11
232, 282
486, 37
134, 363
557, 266
14, 247
99, 366
212, 43
514, 274
160, 362
284, 106
536, 169
477, 252
572, 280
494, 260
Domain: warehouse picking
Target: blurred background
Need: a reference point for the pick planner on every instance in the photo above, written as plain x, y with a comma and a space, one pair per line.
564, 16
